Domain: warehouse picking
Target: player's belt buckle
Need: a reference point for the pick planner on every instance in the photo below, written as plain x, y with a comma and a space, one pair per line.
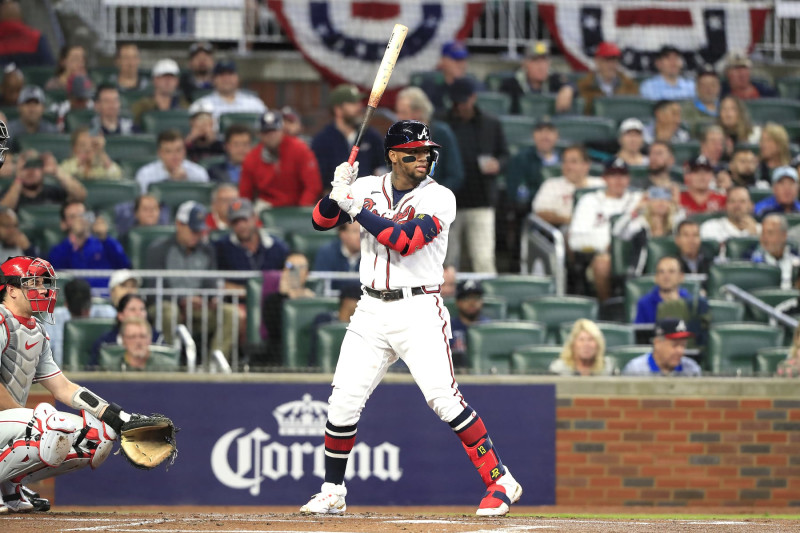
390, 296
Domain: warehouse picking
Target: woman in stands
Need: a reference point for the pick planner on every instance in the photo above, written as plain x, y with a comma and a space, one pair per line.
773, 149
584, 352
734, 119
71, 61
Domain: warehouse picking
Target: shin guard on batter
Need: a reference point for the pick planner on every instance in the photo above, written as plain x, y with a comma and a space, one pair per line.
470, 429
339, 442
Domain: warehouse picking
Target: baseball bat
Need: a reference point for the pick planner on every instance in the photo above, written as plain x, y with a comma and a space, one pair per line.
381, 81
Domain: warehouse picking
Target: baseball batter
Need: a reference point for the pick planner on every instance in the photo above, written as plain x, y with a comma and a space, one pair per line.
405, 218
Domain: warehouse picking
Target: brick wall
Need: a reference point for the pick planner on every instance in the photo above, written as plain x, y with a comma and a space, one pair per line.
676, 452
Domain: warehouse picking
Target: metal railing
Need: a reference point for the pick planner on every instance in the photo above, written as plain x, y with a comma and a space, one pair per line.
775, 315
542, 245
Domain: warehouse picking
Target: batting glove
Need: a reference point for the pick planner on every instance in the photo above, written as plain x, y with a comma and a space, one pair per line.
345, 174
343, 195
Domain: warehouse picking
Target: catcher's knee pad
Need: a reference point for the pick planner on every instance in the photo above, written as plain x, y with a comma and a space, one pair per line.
55, 434
96, 439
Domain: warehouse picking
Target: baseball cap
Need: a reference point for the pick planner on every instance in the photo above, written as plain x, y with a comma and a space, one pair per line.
537, 49
224, 66
461, 89
738, 59
616, 166
784, 172
672, 328
241, 208
700, 162
544, 122
118, 277
470, 287
79, 87
202, 46
30, 92
631, 124
290, 114
271, 121
193, 214
455, 50
607, 50
659, 193
166, 67
200, 106
668, 49
345, 93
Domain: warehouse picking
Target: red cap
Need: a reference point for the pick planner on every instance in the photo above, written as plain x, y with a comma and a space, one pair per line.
607, 49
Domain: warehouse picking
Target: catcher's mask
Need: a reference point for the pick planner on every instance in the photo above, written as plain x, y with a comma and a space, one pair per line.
38, 280
4, 138
410, 134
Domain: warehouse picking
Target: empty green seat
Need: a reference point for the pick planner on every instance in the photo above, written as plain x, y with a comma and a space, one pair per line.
493, 308
298, 317
552, 311
417, 79
174, 193
494, 80
309, 243
516, 129
773, 109
618, 108
253, 289
329, 343
162, 358
724, 311
515, 289
77, 118
37, 74
104, 194
740, 247
57, 144
295, 220
534, 358
251, 120
771, 297
743, 274
131, 165
537, 105
622, 260
41, 216
585, 129
768, 359
789, 87
122, 147
139, 239
614, 333
685, 151
624, 354
494, 103
756, 194
732, 348
79, 335
490, 345
154, 122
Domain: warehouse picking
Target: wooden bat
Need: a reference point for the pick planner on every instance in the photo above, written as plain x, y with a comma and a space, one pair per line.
381, 81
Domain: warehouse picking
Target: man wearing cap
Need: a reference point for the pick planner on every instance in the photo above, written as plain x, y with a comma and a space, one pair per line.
698, 196
784, 193
631, 142
227, 97
483, 154
238, 143
773, 249
281, 170
79, 96
668, 84
469, 303
590, 228
171, 164
202, 140
524, 174
29, 187
452, 65
127, 60
667, 124
607, 79
341, 255
739, 220
31, 109
108, 120
165, 92
704, 108
333, 143
534, 77
198, 76
738, 82
667, 357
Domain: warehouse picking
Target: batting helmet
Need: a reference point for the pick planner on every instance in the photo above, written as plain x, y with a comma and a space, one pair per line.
4, 138
37, 277
408, 134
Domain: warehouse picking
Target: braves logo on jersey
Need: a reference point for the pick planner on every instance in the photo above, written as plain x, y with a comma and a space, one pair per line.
401, 217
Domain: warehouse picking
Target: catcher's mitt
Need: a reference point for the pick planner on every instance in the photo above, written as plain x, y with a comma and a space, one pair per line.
148, 441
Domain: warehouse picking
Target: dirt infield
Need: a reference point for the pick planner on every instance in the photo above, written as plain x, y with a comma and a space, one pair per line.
382, 520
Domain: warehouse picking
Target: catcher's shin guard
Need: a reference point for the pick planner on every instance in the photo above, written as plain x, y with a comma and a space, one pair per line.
470, 429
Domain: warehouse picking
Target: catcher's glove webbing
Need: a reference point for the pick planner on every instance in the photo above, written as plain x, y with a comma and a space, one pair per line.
148, 441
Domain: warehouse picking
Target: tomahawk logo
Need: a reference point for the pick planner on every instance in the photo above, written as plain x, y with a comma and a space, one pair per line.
243, 459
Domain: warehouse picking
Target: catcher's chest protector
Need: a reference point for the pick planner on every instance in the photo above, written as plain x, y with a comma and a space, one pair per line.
19, 359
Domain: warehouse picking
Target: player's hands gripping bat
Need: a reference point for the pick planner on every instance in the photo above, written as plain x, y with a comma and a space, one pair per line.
148, 441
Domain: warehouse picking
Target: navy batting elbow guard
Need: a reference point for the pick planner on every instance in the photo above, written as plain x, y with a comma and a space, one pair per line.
412, 236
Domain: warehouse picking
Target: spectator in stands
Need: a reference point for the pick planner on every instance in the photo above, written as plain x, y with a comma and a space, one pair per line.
238, 143
221, 199
135, 334
534, 77
712, 146
666, 124
590, 228
227, 96
413, 104
108, 120
555, 199
583, 353
341, 255
78, 300
13, 242
660, 160
83, 250
202, 140
668, 84
171, 164
130, 306
607, 78
348, 300
704, 108
452, 65
469, 302
667, 357
31, 110
774, 150
21, 43
165, 92
79, 96
331, 145
690, 252
121, 283
738, 222
281, 171
524, 174
144, 211
734, 118
483, 154
784, 194
11, 86
448, 289
545, 138
198, 76
71, 63
741, 171
773, 249
89, 158
631, 142
698, 196
29, 188
128, 77
293, 123
738, 81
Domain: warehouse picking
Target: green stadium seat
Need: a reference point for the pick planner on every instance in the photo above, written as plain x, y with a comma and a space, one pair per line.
732, 348
37, 74
54, 96
41, 216
77, 118
131, 165
793, 219
585, 129
756, 195
251, 120
494, 80
552, 311
79, 335
11, 112
102, 194
744, 274
47, 238
309, 243
102, 74
295, 220
534, 358
57, 144
723, 311
154, 122
253, 289
130, 97
789, 87
778, 110
622, 261
768, 359
552, 172
494, 103
658, 247
793, 130
493, 308
685, 151
615, 333
418, 78
139, 239
162, 358
329, 343
489, 345
517, 130
579, 193
207, 162
618, 108
740, 247
624, 354
699, 218
637, 287
537, 105
123, 147
771, 297
298, 317
174, 193
515, 289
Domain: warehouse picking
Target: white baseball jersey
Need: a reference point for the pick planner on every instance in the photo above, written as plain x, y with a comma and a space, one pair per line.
382, 268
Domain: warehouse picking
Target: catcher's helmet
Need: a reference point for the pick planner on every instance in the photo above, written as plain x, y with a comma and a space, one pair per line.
4, 138
408, 134
36, 276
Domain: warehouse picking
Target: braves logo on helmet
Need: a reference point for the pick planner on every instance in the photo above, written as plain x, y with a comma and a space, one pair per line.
37, 277
409, 134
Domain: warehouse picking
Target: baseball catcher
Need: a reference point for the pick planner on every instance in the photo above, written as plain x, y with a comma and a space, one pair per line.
44, 442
